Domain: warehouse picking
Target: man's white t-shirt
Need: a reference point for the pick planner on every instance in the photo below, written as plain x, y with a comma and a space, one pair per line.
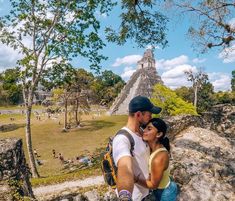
121, 147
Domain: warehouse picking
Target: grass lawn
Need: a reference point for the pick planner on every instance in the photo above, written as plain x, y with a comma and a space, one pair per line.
47, 135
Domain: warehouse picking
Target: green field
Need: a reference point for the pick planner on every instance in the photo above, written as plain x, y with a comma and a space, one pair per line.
47, 135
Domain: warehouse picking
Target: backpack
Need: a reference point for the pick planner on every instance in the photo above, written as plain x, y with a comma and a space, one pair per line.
108, 166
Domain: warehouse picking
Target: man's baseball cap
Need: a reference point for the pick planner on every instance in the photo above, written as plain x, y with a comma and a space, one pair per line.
142, 103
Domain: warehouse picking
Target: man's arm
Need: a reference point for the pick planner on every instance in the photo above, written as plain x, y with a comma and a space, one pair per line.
125, 175
123, 160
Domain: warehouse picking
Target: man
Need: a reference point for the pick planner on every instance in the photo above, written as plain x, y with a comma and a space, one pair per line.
140, 112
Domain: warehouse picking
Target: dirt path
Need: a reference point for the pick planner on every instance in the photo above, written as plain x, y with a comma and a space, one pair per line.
55, 188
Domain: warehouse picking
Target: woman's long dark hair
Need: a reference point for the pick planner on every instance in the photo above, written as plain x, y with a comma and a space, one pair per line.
161, 126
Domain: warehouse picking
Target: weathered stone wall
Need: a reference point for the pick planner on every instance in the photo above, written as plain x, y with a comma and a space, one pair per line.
14, 173
202, 164
221, 118
177, 124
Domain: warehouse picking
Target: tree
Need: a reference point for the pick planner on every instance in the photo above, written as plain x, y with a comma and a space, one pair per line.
3, 95
233, 81
10, 83
205, 97
106, 87
63, 94
198, 79
140, 23
170, 102
57, 30
71, 86
213, 26
60, 78
186, 93
224, 97
81, 89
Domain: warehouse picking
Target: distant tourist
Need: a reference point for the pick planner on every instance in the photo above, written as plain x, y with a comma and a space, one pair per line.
35, 153
61, 158
53, 153
38, 162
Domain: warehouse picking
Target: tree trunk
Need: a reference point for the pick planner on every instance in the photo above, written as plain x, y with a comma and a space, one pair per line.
29, 140
76, 113
195, 96
65, 114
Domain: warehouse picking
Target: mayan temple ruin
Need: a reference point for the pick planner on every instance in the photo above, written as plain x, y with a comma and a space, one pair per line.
140, 83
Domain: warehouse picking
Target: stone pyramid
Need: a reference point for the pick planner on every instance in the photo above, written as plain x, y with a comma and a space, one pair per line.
140, 83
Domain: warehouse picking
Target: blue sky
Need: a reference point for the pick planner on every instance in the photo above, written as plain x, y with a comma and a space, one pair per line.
170, 61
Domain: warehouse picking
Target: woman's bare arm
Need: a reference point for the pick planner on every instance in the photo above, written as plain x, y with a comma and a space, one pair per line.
159, 164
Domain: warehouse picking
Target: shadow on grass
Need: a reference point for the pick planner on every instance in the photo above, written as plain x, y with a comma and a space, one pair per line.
96, 125
10, 127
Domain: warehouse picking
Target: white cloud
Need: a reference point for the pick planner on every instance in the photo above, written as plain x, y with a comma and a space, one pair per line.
197, 60
176, 77
152, 46
128, 71
220, 81
232, 23
8, 57
228, 54
100, 15
128, 60
171, 63
173, 74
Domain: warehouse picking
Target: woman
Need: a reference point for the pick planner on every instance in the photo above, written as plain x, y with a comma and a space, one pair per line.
164, 189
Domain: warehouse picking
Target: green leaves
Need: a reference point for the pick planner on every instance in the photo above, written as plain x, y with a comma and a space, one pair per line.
171, 103
22, 16
213, 27
140, 23
55, 29
106, 87
10, 88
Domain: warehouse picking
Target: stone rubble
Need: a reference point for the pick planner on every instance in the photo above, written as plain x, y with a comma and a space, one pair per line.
14, 172
203, 165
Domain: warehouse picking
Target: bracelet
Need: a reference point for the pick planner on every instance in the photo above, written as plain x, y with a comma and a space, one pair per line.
123, 198
124, 195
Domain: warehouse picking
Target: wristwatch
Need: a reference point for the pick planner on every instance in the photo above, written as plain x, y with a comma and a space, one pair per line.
124, 195
124, 198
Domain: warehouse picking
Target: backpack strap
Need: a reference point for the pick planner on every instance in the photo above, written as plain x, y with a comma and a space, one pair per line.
130, 138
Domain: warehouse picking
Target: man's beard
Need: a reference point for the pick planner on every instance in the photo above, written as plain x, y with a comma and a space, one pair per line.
142, 127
